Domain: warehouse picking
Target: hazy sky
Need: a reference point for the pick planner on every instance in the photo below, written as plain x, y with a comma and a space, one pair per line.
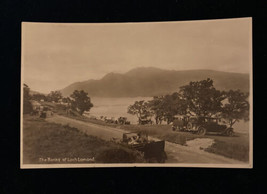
55, 55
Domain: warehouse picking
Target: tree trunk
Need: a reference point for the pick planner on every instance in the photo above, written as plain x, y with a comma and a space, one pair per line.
232, 123
157, 120
139, 121
81, 112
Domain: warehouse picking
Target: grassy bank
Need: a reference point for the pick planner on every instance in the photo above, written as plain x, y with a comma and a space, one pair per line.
45, 142
236, 147
230, 150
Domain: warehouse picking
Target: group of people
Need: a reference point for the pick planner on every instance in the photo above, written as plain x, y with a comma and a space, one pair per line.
137, 139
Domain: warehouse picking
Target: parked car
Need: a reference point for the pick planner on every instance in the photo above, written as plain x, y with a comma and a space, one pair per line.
201, 125
123, 121
110, 120
152, 150
144, 121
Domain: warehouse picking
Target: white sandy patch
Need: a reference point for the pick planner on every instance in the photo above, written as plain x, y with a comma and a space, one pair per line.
200, 143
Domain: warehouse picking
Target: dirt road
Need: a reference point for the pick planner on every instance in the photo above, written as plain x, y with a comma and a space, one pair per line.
176, 153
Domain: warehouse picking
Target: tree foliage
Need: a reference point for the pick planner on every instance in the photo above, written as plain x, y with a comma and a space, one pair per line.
156, 106
66, 100
165, 107
54, 96
173, 104
236, 107
27, 106
39, 97
141, 109
80, 101
202, 98
199, 98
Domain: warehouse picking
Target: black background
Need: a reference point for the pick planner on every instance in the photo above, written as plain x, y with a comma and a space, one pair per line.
129, 180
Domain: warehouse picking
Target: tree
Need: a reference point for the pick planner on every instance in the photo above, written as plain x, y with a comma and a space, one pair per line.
39, 97
140, 109
172, 105
165, 107
236, 107
202, 98
156, 106
66, 100
27, 106
54, 96
81, 101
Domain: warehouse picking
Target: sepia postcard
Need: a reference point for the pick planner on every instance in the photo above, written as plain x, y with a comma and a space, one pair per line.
151, 94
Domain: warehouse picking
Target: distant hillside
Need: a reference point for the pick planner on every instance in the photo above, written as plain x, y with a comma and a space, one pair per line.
33, 92
152, 81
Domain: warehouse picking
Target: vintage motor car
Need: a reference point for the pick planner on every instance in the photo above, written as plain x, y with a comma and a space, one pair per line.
122, 121
152, 150
110, 120
201, 125
145, 121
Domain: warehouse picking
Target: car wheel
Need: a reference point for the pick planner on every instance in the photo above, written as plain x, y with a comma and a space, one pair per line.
202, 131
189, 126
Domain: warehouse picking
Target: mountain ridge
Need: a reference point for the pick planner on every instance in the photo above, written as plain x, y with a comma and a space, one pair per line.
151, 81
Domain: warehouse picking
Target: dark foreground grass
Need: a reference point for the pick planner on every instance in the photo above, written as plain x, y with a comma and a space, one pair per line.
45, 142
